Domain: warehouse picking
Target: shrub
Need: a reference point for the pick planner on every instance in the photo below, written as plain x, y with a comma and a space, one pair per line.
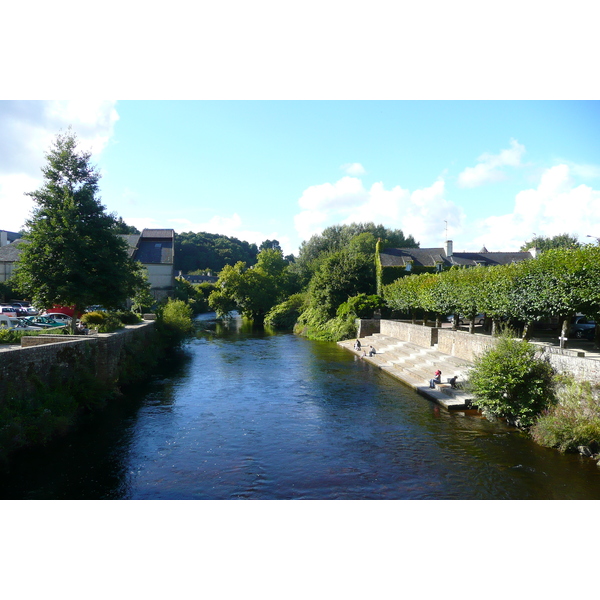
361, 306
174, 320
95, 318
314, 325
285, 315
574, 421
127, 317
509, 382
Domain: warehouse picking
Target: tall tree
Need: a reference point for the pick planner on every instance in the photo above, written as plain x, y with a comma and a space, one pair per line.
73, 256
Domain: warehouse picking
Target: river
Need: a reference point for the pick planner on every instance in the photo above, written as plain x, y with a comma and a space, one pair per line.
252, 415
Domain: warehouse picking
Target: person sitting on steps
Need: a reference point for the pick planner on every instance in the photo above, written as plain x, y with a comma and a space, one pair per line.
436, 379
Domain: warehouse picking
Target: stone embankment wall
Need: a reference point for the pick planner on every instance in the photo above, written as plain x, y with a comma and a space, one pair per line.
365, 327
467, 346
407, 332
46, 359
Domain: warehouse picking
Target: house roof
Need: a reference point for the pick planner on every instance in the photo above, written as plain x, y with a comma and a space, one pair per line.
158, 233
430, 257
10, 252
152, 246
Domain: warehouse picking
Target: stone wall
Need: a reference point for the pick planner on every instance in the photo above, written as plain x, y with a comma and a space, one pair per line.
21, 368
464, 345
365, 327
468, 346
407, 332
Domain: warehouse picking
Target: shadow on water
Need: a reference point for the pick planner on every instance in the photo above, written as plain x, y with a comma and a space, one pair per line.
252, 414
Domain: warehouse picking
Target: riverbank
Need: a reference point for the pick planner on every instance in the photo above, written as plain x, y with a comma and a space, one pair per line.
570, 425
47, 383
414, 366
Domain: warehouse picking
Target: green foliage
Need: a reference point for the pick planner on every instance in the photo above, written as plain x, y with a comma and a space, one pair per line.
252, 291
314, 324
107, 322
174, 321
192, 294
573, 421
361, 306
210, 251
509, 382
564, 240
127, 317
351, 238
13, 336
73, 256
340, 276
286, 314
122, 228
142, 300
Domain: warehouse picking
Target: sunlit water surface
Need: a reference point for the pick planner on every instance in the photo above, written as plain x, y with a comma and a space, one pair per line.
249, 415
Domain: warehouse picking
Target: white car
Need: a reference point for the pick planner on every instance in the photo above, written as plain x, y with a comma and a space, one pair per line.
60, 317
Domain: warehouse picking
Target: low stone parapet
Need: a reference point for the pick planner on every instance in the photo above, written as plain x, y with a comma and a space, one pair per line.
420, 335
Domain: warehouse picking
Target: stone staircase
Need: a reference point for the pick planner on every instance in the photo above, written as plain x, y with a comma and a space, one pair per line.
415, 366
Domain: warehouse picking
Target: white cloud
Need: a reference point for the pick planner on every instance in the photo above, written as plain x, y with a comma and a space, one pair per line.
421, 213
556, 206
27, 129
490, 166
353, 169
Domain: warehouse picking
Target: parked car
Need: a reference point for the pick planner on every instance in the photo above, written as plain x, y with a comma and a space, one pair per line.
61, 317
9, 311
581, 325
44, 322
462, 320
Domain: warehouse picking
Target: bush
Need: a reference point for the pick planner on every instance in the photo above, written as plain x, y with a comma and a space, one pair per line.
174, 320
509, 382
361, 306
128, 318
314, 325
285, 315
574, 421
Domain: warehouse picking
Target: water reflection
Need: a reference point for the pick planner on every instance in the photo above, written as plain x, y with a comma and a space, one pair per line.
248, 414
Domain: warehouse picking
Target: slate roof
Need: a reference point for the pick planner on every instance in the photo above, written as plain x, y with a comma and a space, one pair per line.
158, 233
429, 257
152, 246
11, 252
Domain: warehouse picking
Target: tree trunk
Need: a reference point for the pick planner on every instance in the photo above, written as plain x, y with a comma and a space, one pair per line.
527, 330
455, 318
438, 320
564, 330
414, 318
425, 319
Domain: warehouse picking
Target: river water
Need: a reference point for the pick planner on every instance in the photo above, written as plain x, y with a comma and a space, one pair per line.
253, 415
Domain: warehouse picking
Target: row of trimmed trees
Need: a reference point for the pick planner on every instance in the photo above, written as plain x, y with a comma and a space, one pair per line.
558, 283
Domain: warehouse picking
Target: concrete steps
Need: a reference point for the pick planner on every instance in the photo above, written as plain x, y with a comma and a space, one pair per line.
415, 366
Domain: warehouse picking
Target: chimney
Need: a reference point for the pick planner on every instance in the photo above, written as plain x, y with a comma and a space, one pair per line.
448, 248
3, 238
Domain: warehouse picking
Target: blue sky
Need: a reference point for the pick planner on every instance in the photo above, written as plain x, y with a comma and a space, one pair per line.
496, 171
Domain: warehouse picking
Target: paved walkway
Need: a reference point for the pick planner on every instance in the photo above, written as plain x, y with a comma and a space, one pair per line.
415, 366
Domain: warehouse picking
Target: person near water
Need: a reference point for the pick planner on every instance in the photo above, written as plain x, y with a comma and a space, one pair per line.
436, 379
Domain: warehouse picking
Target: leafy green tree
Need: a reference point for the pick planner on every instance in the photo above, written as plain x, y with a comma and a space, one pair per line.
73, 256
253, 291
340, 276
564, 240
